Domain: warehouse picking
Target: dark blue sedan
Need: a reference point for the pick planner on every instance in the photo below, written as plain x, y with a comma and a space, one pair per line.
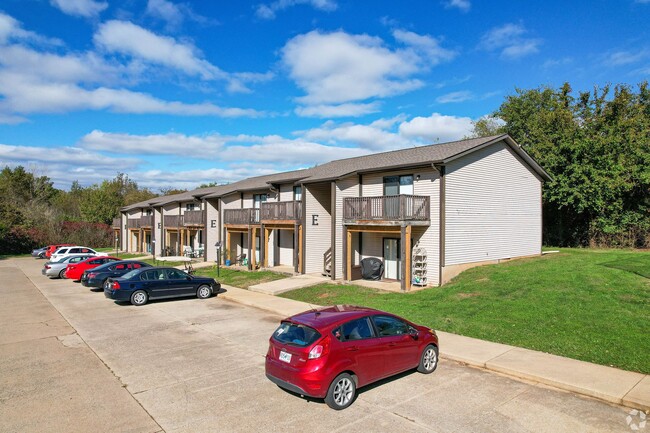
141, 285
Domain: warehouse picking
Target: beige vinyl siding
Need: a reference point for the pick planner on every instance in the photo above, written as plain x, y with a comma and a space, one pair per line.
170, 209
317, 237
212, 234
231, 201
286, 192
493, 207
247, 202
348, 187
372, 244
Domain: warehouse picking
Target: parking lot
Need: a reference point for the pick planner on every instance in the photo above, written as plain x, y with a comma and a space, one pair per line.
71, 360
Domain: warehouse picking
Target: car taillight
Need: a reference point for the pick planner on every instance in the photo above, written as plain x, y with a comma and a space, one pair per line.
91, 275
48, 267
319, 350
115, 285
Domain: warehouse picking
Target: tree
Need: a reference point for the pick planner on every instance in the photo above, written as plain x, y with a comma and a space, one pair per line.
596, 147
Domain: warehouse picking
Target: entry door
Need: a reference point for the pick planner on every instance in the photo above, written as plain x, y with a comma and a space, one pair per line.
147, 242
392, 259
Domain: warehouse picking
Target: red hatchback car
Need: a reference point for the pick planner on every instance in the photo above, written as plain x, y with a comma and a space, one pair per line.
74, 271
52, 248
330, 352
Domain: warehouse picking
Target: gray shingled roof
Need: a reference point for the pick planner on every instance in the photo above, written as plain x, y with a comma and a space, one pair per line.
422, 155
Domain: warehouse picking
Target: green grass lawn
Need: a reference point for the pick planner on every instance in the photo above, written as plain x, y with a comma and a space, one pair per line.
242, 279
591, 305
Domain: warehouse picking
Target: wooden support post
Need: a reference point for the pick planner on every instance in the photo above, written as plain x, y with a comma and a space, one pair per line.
402, 255
251, 246
251, 259
296, 251
348, 254
300, 264
266, 247
408, 258
227, 256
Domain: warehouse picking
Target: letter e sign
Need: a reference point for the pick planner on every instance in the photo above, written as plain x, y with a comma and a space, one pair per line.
213, 223
314, 220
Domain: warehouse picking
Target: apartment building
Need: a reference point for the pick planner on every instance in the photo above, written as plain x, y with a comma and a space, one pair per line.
427, 213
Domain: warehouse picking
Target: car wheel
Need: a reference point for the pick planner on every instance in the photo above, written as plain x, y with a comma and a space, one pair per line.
341, 392
428, 360
104, 285
203, 292
62, 273
139, 297
41, 256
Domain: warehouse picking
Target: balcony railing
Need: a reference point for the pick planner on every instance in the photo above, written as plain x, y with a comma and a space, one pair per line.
193, 218
173, 220
136, 223
241, 216
282, 211
387, 208
117, 223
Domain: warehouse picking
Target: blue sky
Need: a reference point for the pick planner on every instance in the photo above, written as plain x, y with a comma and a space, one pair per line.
182, 93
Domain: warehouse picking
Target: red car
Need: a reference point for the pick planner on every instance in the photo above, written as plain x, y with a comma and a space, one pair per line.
74, 270
52, 248
330, 352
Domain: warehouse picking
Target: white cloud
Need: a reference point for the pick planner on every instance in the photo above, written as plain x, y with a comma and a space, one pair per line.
11, 30
62, 155
463, 5
340, 110
81, 8
127, 38
155, 144
460, 96
174, 14
427, 47
622, 58
509, 40
437, 128
268, 11
337, 69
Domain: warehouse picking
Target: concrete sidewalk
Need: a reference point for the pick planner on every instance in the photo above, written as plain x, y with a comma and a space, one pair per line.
604, 383
296, 282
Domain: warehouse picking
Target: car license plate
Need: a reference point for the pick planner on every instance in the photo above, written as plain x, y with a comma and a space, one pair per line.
284, 356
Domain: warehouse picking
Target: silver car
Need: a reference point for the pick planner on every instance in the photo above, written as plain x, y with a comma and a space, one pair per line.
57, 269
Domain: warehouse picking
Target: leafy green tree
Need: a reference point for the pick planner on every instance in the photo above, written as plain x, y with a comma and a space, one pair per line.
596, 146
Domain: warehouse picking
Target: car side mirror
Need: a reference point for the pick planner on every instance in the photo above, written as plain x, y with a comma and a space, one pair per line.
188, 278
413, 333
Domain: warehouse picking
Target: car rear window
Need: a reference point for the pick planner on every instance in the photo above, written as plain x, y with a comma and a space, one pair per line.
294, 334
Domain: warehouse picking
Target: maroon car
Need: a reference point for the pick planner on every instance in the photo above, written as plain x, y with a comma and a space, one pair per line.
330, 352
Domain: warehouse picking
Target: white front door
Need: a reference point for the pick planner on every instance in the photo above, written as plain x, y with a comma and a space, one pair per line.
391, 259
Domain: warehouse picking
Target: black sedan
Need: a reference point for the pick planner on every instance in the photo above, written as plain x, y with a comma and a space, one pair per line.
96, 278
140, 285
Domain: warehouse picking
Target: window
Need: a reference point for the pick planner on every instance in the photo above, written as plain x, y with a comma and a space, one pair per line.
189, 206
96, 262
395, 185
356, 330
149, 212
387, 326
175, 274
258, 199
294, 334
154, 274
297, 193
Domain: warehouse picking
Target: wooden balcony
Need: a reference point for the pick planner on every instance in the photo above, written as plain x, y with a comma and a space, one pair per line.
241, 216
193, 218
117, 223
290, 211
142, 222
387, 210
173, 221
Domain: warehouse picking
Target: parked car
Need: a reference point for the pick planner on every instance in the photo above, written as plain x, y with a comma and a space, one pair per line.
75, 249
98, 277
140, 285
74, 270
57, 269
39, 252
330, 352
52, 248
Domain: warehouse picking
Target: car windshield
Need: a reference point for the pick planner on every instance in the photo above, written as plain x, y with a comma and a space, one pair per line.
297, 335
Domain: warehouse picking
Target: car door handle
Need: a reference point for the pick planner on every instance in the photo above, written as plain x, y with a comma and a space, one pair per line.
352, 348
392, 344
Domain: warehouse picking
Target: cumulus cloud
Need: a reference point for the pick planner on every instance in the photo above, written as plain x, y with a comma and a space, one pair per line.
80, 8
463, 5
337, 69
36, 80
268, 11
174, 14
510, 41
437, 128
27, 155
